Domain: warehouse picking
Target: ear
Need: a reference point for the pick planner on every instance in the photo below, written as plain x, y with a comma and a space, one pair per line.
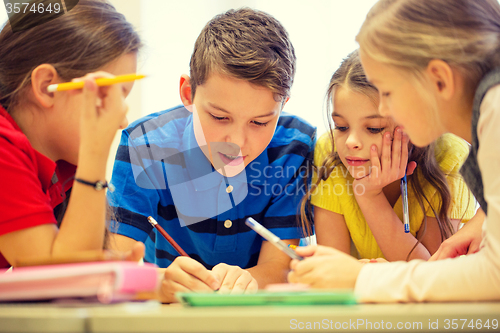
41, 77
185, 91
283, 103
442, 78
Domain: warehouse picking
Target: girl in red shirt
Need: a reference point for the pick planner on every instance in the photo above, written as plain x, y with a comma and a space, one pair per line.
45, 135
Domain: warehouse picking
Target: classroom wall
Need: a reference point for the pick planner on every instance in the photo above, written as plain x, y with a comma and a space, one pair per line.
322, 32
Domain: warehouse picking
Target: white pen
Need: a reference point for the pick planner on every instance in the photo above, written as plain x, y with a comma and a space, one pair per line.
404, 198
272, 238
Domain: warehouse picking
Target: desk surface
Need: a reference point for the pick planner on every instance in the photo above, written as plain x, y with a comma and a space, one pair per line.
154, 317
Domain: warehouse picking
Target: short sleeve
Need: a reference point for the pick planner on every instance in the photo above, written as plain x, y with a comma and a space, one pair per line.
135, 196
451, 154
324, 195
24, 204
463, 205
281, 214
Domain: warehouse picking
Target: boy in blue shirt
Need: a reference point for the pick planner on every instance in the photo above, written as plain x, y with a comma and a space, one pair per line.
227, 154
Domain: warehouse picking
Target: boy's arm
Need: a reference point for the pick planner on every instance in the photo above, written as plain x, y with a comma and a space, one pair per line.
273, 264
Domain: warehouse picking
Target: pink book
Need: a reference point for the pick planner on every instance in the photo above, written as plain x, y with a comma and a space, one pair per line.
108, 281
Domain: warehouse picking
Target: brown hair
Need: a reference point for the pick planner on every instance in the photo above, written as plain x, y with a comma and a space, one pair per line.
86, 38
350, 75
83, 40
410, 33
245, 44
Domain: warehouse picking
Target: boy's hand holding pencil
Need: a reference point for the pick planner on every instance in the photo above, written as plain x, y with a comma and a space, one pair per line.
187, 274
184, 273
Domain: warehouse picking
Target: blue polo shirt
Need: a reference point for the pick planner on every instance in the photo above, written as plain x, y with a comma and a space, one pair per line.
160, 171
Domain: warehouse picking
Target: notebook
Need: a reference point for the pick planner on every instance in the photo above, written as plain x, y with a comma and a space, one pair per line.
105, 281
263, 297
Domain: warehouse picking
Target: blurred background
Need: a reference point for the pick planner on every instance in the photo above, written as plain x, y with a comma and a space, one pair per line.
322, 32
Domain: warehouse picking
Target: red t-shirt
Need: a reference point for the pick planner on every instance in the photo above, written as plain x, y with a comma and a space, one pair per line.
31, 183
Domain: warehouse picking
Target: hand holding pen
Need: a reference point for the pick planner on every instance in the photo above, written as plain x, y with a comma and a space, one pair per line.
187, 274
184, 273
272, 238
320, 268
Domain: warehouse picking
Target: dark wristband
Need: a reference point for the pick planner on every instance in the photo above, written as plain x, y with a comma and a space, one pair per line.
98, 185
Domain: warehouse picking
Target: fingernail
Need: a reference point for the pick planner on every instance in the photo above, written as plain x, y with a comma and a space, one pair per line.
374, 148
90, 85
215, 285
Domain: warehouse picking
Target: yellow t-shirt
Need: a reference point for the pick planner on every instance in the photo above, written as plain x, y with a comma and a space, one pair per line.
336, 194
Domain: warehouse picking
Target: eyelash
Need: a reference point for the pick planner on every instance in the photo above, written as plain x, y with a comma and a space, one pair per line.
260, 124
218, 118
386, 94
224, 118
341, 128
373, 130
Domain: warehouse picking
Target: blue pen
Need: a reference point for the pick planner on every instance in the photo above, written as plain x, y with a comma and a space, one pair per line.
404, 197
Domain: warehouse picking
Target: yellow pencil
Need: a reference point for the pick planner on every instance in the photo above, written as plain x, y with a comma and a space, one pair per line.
100, 82
293, 247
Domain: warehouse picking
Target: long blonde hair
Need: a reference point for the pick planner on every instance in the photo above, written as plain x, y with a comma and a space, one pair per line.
410, 33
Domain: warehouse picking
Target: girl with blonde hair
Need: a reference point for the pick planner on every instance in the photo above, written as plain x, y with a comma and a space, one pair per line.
353, 201
436, 64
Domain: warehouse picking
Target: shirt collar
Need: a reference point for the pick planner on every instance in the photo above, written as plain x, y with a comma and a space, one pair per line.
45, 166
9, 118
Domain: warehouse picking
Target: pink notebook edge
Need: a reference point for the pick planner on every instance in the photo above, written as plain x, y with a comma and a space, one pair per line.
108, 280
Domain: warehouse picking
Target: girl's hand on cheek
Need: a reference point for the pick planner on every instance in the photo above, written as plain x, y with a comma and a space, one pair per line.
391, 166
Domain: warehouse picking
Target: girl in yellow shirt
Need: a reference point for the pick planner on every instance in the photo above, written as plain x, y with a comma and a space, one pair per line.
356, 189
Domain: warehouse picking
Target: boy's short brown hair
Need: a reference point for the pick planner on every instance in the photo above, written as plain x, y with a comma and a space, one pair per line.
245, 44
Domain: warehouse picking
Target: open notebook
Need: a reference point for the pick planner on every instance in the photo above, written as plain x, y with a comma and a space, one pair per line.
106, 281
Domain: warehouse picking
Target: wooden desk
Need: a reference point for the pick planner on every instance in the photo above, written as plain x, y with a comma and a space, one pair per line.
154, 317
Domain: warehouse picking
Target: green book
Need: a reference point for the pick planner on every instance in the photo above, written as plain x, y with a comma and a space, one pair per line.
268, 298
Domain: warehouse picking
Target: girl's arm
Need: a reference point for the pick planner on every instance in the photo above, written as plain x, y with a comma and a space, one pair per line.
83, 225
466, 241
388, 230
331, 230
385, 225
431, 237
273, 264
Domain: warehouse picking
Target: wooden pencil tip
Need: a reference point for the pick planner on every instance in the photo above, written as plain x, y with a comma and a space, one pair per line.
152, 221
